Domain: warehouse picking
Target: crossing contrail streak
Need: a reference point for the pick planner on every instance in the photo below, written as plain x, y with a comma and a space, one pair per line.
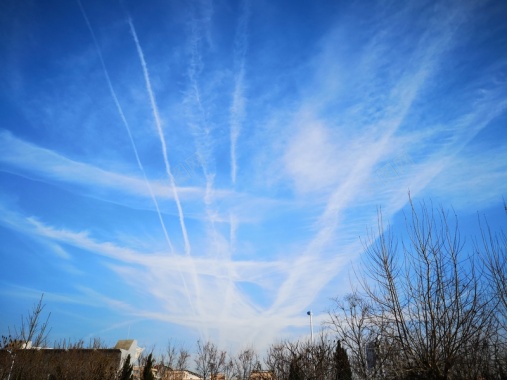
161, 136
237, 114
127, 127
199, 123
238, 99
196, 309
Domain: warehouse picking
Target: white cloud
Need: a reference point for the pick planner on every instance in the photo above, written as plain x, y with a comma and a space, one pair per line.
313, 158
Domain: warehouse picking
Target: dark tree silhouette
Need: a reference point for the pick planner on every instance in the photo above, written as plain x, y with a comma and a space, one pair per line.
147, 373
126, 370
341, 364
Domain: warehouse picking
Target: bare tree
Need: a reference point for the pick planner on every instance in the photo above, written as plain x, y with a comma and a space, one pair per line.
210, 361
493, 251
302, 359
171, 355
353, 319
97, 343
183, 358
431, 309
175, 360
34, 328
229, 370
244, 363
69, 344
278, 360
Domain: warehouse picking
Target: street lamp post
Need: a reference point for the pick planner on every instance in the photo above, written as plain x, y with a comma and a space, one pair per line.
311, 324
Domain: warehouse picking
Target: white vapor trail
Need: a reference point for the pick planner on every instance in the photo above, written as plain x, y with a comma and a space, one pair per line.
199, 122
238, 100
201, 128
237, 113
197, 309
127, 127
161, 136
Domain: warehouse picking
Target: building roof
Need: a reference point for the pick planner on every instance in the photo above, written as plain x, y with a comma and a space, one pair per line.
129, 347
124, 344
262, 375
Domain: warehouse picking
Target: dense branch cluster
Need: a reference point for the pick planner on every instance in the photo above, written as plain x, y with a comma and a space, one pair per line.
427, 306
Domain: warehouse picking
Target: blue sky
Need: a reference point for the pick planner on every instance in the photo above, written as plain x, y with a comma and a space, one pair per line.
204, 169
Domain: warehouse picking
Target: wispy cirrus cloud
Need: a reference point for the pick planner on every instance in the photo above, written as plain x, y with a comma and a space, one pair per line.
294, 140
22, 158
42, 163
316, 161
156, 272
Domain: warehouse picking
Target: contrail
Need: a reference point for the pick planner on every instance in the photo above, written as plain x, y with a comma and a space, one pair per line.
200, 127
237, 114
126, 124
195, 309
161, 136
238, 100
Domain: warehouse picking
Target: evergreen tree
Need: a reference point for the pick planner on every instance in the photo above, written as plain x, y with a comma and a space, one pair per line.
341, 364
147, 374
126, 370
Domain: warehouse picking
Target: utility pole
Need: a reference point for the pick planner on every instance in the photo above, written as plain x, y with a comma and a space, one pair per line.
311, 324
